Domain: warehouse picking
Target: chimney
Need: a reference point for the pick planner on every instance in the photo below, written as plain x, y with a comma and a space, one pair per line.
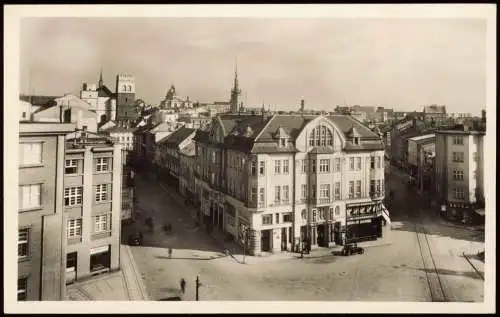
84, 86
302, 105
61, 114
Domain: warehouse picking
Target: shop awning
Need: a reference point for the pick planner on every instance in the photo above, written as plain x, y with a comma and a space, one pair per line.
480, 212
385, 215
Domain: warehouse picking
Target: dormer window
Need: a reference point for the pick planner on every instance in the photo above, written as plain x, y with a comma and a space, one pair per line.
356, 140
283, 142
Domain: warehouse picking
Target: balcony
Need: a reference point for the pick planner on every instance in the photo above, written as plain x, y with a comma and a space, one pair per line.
323, 201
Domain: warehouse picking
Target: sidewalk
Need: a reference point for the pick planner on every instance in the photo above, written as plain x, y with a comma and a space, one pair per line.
125, 284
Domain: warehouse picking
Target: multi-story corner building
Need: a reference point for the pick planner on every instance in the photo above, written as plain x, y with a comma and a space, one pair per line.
459, 171
41, 247
91, 205
280, 181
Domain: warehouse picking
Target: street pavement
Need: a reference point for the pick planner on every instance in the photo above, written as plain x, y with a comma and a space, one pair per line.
392, 272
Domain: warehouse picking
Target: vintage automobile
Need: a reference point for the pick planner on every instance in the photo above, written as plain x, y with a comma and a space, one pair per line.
352, 248
135, 239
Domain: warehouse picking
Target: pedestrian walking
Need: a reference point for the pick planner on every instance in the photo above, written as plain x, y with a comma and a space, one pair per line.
183, 285
169, 253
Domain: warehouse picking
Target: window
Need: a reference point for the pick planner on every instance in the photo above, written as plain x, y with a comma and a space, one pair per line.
458, 157
277, 218
458, 140
74, 228
358, 188
337, 164
377, 189
356, 140
458, 193
286, 164
101, 192
283, 142
277, 167
101, 223
287, 217
253, 194
330, 214
358, 163
337, 190
30, 196
71, 167
253, 168
72, 196
321, 136
372, 187
277, 194
23, 236
22, 289
337, 211
267, 219
102, 164
458, 175
285, 193
351, 189
314, 215
262, 195
213, 157
261, 168
324, 191
382, 187
313, 166
324, 165
372, 162
321, 214
303, 191
378, 161
31, 153
303, 214
313, 192
351, 163
304, 166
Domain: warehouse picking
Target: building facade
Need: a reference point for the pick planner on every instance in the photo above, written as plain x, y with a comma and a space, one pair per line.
41, 246
92, 198
421, 153
283, 182
459, 172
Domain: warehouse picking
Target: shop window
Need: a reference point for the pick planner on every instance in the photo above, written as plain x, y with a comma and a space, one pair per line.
100, 261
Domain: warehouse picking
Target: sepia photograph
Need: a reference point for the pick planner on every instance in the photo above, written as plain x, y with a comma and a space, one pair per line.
250, 158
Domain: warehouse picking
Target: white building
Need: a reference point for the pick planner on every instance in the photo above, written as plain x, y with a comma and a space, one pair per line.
282, 181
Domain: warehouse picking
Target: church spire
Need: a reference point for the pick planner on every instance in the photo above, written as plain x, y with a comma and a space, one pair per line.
101, 82
235, 92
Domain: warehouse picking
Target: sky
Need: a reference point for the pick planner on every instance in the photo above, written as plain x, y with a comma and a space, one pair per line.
396, 63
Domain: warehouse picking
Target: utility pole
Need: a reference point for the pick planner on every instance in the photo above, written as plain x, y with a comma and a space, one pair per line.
198, 284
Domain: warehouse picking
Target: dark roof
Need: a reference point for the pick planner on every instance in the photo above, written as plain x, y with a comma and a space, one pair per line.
345, 123
235, 124
292, 124
120, 129
322, 150
103, 91
435, 109
201, 136
39, 100
177, 137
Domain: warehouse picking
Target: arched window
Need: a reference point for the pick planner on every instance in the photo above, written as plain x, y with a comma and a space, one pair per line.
129, 87
337, 211
321, 136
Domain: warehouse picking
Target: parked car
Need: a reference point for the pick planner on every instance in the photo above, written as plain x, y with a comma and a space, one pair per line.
352, 248
135, 239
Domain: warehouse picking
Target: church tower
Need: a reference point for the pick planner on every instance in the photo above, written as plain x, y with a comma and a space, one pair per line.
125, 100
235, 92
101, 82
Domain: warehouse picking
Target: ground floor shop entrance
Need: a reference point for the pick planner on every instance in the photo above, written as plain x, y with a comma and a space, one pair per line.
71, 267
100, 259
266, 240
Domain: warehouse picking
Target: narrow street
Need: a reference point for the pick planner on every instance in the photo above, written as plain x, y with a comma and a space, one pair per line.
395, 272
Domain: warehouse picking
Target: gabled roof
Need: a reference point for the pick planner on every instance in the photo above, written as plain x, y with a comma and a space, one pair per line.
103, 91
353, 133
39, 100
177, 137
345, 123
239, 123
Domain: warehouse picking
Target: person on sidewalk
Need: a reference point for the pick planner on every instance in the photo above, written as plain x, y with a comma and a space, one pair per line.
183, 285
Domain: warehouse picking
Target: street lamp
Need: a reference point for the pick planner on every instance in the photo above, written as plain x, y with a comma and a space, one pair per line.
198, 284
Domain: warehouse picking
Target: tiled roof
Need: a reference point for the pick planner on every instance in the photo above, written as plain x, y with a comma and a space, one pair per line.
292, 124
104, 91
234, 123
39, 100
201, 136
345, 123
177, 137
435, 109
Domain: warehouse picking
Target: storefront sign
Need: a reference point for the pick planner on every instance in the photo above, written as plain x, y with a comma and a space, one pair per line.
99, 250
